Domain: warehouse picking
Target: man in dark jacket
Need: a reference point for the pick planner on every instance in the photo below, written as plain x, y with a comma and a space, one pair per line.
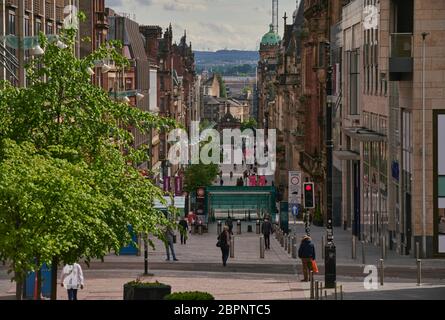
266, 230
184, 227
229, 223
306, 253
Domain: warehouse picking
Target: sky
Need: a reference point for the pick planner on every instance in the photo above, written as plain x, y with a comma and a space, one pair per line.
211, 24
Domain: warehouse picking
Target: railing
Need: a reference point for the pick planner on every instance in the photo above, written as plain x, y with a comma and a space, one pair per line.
401, 45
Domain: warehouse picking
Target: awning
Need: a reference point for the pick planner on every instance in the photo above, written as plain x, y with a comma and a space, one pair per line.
347, 155
364, 135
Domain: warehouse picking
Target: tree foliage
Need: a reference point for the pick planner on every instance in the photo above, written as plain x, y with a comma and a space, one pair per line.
200, 175
69, 184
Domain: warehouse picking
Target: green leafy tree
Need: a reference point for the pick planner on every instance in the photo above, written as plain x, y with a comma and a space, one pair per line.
249, 124
200, 175
222, 87
69, 184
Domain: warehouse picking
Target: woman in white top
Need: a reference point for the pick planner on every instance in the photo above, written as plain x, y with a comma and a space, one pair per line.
72, 279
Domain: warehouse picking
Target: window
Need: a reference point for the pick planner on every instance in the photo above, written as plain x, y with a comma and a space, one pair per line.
11, 23
37, 26
353, 82
49, 28
128, 84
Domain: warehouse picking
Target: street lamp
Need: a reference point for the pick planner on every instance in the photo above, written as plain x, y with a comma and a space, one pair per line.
38, 51
424, 35
330, 250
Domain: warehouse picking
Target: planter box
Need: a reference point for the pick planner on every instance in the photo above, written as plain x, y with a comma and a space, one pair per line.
145, 293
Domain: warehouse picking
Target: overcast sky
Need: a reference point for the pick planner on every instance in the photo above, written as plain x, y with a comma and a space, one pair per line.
211, 24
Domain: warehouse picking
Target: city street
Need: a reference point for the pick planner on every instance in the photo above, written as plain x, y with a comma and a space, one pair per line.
277, 277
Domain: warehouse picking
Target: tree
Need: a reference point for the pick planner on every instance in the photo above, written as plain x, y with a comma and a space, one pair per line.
222, 87
200, 175
69, 184
249, 124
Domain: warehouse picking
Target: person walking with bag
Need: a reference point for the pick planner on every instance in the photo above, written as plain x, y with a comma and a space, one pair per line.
224, 244
169, 236
183, 231
72, 279
266, 230
306, 253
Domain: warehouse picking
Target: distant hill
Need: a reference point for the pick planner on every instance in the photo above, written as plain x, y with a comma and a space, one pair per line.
227, 62
222, 57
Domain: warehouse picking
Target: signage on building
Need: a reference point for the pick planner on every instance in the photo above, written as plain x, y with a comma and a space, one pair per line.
294, 198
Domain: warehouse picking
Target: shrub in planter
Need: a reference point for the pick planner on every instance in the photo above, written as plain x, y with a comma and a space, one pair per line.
196, 295
138, 290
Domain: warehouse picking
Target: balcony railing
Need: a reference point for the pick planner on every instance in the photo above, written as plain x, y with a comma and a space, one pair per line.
401, 45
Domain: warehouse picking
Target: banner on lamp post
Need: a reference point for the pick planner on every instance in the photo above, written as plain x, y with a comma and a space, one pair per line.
178, 186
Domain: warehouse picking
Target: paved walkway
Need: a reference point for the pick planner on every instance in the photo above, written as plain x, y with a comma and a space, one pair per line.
249, 277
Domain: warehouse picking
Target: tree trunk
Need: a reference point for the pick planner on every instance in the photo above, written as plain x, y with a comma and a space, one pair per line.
39, 284
18, 289
54, 264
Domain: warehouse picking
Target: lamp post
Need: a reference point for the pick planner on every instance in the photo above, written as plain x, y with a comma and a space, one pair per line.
424, 35
330, 250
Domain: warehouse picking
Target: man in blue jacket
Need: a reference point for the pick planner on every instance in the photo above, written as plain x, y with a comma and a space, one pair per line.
306, 253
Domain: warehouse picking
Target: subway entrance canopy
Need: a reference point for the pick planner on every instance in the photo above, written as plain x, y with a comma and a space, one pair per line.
240, 202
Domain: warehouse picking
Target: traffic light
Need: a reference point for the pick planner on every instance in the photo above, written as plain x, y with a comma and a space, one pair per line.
309, 195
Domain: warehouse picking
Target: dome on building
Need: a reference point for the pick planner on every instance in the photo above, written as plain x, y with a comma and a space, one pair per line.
271, 38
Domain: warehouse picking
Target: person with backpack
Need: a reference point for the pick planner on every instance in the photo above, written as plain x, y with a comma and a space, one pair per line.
229, 224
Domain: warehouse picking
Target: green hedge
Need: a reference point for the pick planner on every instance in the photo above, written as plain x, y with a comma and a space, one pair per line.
140, 284
196, 295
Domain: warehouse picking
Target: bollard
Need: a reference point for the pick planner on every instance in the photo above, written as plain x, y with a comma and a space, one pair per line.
382, 275
285, 242
320, 293
326, 295
382, 247
294, 251
335, 293
322, 247
193, 228
232, 247
341, 292
200, 229
219, 231
282, 239
354, 248
311, 275
238, 225
258, 227
262, 245
289, 244
419, 272
417, 250
363, 253
316, 291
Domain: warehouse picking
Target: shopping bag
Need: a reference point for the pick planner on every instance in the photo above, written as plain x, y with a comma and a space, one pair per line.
314, 266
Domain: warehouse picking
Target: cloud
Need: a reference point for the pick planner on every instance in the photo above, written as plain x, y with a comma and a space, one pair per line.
185, 5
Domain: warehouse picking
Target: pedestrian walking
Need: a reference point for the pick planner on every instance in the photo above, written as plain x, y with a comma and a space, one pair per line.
224, 244
169, 237
72, 279
231, 175
191, 219
183, 231
229, 224
266, 230
221, 183
306, 253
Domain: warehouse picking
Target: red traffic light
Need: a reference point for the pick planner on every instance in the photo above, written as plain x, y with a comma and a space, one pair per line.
308, 187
